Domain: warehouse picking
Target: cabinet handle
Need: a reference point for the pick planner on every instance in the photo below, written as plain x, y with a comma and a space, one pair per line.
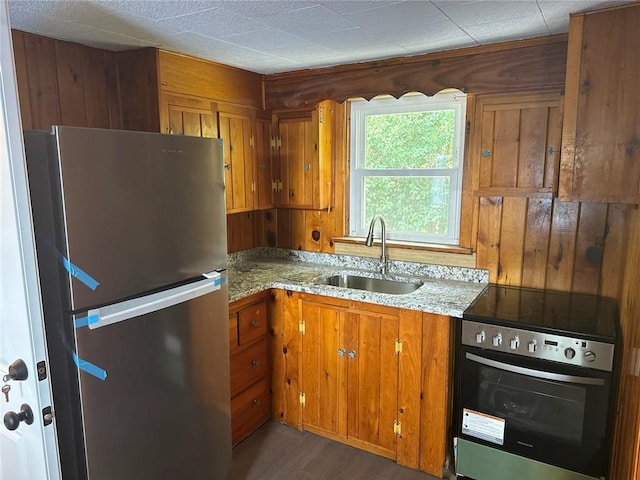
256, 402
341, 352
227, 166
255, 363
254, 323
352, 354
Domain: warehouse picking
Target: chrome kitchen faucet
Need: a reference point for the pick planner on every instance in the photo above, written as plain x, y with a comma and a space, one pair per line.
369, 241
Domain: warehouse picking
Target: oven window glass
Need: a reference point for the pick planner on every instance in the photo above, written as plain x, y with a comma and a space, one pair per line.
533, 405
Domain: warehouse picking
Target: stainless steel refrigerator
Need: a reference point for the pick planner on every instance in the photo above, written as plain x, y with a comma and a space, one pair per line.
131, 241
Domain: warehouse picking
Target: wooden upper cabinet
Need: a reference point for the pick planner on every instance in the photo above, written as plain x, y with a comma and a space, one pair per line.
237, 140
264, 174
601, 129
516, 145
180, 115
303, 175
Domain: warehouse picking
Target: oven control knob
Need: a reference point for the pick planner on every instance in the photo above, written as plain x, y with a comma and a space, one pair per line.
532, 346
497, 340
480, 337
569, 353
514, 343
589, 356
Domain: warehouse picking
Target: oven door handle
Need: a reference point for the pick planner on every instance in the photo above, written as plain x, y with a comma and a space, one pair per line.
534, 373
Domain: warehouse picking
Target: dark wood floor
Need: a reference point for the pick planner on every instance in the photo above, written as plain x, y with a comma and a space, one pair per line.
279, 452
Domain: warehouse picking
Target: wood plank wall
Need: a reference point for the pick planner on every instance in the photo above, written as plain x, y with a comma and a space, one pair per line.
65, 83
627, 433
544, 243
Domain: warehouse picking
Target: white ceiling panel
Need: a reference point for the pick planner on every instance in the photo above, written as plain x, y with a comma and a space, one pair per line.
269, 36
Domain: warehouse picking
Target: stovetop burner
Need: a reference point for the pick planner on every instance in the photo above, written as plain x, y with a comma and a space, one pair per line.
545, 310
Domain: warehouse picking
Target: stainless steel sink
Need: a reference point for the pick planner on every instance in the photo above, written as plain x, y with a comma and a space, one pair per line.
378, 285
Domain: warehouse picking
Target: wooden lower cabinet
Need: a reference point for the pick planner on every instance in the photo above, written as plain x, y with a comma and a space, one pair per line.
249, 365
371, 376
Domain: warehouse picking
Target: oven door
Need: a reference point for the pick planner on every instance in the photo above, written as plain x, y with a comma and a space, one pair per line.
537, 409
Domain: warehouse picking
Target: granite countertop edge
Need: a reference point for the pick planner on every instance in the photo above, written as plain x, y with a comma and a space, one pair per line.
446, 290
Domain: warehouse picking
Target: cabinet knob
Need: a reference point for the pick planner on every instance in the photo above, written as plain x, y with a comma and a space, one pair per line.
256, 402
227, 166
255, 363
254, 323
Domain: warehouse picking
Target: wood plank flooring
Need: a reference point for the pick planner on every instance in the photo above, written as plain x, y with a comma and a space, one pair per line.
279, 452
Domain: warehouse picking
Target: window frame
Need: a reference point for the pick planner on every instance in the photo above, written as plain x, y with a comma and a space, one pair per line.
360, 109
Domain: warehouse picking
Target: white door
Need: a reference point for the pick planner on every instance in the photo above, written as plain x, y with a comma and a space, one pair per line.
29, 451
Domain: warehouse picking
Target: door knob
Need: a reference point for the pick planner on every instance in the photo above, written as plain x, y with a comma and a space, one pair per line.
17, 371
12, 419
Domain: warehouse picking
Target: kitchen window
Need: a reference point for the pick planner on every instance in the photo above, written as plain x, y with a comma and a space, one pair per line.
406, 164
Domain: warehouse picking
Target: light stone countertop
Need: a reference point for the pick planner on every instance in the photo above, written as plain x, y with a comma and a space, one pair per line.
446, 290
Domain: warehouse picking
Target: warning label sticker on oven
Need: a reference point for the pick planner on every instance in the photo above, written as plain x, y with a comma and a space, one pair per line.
483, 426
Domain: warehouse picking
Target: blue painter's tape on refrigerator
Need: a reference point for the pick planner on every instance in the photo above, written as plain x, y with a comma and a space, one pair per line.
80, 274
89, 367
85, 321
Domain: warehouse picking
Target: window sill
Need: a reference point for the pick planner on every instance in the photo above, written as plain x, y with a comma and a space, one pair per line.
408, 251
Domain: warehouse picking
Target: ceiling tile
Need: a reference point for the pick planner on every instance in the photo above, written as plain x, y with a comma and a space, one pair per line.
317, 18
268, 39
163, 9
399, 16
524, 27
214, 23
488, 11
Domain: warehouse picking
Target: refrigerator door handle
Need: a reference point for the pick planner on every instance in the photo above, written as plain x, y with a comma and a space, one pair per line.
119, 312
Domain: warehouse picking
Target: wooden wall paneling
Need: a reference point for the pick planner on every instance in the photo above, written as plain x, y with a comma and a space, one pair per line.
298, 233
139, 91
192, 76
42, 81
554, 138
489, 225
512, 235
73, 110
313, 231
328, 229
98, 88
626, 448
614, 257
533, 135
240, 234
22, 76
562, 245
530, 65
536, 243
469, 178
266, 228
409, 388
285, 239
589, 251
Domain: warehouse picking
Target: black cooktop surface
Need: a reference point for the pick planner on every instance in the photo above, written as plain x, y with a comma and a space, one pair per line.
546, 310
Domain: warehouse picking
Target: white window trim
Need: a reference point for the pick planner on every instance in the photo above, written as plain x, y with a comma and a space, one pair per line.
455, 100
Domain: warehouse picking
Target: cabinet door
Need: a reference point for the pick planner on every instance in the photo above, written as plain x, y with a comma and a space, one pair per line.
297, 158
188, 116
264, 175
601, 132
350, 375
372, 379
235, 130
516, 145
323, 368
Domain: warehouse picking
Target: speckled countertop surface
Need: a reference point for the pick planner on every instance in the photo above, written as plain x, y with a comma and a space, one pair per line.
446, 290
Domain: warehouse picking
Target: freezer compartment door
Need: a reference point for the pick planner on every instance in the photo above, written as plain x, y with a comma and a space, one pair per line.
140, 211
162, 411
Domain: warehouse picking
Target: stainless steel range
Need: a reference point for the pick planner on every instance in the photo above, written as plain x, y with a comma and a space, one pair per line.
536, 376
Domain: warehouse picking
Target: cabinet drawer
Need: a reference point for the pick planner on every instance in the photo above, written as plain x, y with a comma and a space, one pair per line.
248, 367
252, 323
249, 410
233, 333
